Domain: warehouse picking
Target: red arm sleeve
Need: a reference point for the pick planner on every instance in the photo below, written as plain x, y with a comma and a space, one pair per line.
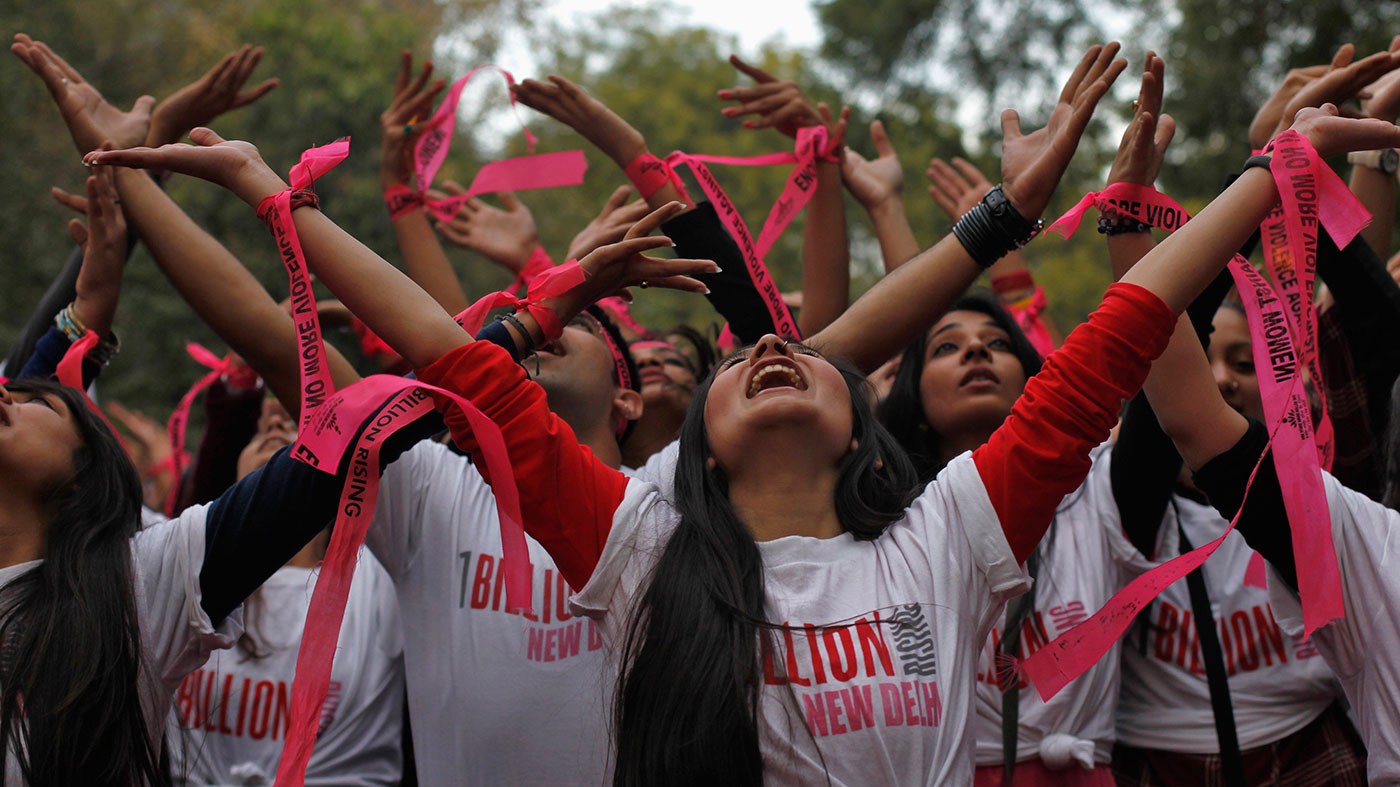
567, 496
1041, 453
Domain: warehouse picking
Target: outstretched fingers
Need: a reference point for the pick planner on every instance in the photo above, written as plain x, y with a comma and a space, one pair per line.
654, 219
754, 72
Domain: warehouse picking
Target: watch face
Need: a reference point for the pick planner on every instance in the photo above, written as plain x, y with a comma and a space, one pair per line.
1390, 161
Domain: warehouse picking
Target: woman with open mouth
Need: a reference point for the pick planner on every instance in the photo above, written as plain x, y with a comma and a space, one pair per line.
802, 612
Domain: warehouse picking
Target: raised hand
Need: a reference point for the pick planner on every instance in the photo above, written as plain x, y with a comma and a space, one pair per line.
104, 254
874, 181
216, 92
609, 226
399, 124
1384, 102
1331, 134
233, 164
958, 188
1145, 140
1341, 81
506, 237
571, 105
611, 269
90, 119
1032, 164
779, 103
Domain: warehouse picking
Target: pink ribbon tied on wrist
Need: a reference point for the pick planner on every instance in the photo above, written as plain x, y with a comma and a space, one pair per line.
546, 170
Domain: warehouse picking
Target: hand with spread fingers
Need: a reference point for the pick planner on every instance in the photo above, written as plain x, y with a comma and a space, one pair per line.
1032, 164
571, 105
1145, 140
611, 269
90, 119
104, 254
401, 123
874, 182
779, 103
506, 236
609, 226
218, 91
956, 188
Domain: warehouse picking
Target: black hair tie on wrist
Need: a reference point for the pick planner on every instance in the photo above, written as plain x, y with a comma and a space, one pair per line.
994, 228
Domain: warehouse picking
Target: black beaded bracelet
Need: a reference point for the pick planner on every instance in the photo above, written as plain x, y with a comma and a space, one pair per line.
994, 228
1119, 226
515, 323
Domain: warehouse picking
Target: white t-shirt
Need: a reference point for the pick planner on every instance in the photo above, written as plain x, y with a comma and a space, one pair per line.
176, 634
1362, 646
1278, 683
888, 700
494, 697
1084, 559
230, 719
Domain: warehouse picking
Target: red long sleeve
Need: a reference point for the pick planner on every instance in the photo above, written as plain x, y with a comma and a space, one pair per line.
1041, 453
567, 496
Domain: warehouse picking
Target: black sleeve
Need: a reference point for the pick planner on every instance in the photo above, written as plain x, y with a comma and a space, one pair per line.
46, 354
1369, 303
256, 526
1264, 523
699, 234
230, 421
1145, 462
59, 294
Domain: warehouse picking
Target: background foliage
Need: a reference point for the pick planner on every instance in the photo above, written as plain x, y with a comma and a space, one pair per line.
934, 70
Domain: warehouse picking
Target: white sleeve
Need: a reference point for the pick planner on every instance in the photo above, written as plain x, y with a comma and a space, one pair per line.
177, 634
641, 526
1363, 532
660, 470
395, 532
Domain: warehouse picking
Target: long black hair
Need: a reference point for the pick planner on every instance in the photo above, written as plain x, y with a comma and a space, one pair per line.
686, 708
70, 663
903, 410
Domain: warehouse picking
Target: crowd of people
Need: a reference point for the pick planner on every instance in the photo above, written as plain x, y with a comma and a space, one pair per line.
836, 542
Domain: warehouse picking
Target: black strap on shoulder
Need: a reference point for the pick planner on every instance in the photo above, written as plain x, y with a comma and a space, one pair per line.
1017, 610
1231, 763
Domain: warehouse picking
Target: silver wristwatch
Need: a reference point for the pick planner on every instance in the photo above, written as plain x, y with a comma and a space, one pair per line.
1387, 160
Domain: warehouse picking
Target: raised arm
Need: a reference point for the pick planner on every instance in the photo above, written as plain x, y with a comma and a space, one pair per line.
423, 258
1373, 173
903, 303
876, 184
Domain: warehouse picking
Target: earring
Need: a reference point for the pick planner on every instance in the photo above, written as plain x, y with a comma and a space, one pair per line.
711, 464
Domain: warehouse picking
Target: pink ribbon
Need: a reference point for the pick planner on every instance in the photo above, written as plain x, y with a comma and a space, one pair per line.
553, 282
69, 372
622, 314
1028, 317
179, 419
1143, 203
538, 263
547, 170
813, 144
1295, 461
326, 429
1255, 574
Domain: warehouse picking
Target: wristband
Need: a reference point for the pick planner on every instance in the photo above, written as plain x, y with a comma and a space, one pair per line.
514, 322
305, 198
994, 228
1257, 160
649, 174
1013, 281
400, 200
